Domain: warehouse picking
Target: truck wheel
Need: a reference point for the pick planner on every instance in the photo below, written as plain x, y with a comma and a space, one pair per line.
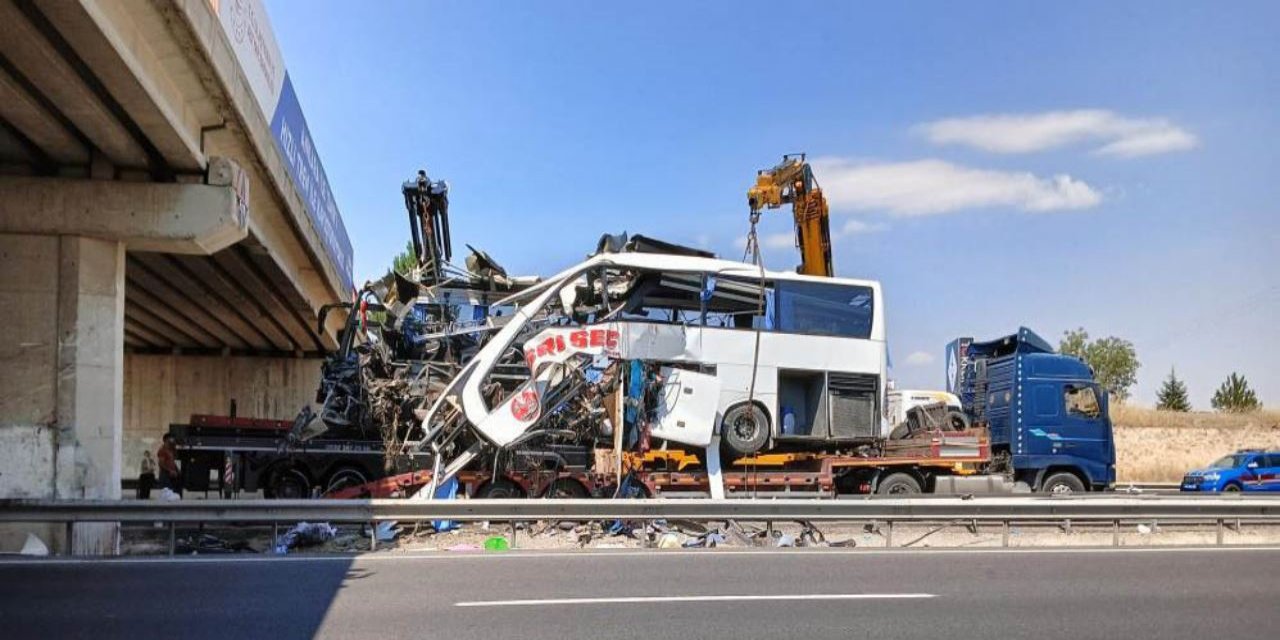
745, 430
344, 478
1062, 483
1231, 488
898, 484
499, 489
288, 483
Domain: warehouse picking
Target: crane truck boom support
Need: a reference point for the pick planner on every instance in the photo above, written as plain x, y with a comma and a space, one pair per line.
792, 182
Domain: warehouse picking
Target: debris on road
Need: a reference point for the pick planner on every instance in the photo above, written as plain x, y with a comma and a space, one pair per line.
305, 534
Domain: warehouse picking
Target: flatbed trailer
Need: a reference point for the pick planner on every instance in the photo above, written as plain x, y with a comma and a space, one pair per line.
921, 465
259, 456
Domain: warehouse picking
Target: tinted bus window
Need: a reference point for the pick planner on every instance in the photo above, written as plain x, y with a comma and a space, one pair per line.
824, 309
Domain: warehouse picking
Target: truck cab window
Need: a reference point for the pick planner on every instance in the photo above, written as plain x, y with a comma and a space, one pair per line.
1082, 401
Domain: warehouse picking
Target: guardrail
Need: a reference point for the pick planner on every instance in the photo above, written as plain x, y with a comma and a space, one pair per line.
1212, 510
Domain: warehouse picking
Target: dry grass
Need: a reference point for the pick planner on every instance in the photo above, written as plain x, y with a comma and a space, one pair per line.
1131, 416
1160, 446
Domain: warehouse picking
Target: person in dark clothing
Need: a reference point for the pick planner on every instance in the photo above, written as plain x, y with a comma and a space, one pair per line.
146, 476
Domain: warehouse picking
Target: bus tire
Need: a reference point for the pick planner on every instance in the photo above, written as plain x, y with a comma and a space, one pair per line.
744, 430
898, 484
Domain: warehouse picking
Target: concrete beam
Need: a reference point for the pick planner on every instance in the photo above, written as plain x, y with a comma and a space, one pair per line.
37, 60
38, 125
118, 42
321, 284
183, 285
170, 217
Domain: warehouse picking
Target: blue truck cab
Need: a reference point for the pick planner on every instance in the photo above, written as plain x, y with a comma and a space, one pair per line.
1046, 415
1244, 470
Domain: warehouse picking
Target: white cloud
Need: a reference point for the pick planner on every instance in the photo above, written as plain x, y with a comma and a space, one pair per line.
919, 358
927, 187
779, 241
1028, 132
858, 227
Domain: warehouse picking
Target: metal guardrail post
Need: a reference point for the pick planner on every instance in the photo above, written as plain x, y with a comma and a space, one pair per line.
1004, 533
373, 535
1221, 533
1115, 533
173, 537
888, 533
71, 532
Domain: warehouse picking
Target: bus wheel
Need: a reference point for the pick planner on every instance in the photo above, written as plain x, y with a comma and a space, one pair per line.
499, 489
745, 429
898, 484
288, 483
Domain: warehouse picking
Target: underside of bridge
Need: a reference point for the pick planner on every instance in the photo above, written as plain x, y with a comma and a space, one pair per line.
147, 217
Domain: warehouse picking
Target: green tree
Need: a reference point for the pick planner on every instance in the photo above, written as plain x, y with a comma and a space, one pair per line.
1114, 360
1235, 396
405, 261
1173, 395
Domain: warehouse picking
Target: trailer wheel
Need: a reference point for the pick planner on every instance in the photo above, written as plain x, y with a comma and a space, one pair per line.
499, 489
344, 478
744, 430
567, 489
1062, 483
898, 484
288, 483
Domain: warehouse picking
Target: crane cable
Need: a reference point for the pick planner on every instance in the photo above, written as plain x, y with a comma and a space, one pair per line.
753, 249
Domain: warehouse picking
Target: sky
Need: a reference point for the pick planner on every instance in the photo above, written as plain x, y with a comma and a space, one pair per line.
1106, 165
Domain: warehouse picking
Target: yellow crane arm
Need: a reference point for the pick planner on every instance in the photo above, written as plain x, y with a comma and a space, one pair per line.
792, 181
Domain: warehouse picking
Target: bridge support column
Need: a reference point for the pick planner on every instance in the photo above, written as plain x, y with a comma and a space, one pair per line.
61, 371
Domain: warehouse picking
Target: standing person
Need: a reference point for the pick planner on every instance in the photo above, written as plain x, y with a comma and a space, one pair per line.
146, 476
167, 456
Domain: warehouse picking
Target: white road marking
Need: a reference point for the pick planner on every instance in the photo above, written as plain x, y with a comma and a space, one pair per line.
647, 599
597, 554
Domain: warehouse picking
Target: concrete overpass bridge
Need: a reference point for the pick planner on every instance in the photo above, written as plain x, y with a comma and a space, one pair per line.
167, 235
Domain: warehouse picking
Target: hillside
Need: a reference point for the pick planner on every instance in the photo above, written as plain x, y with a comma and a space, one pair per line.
1160, 446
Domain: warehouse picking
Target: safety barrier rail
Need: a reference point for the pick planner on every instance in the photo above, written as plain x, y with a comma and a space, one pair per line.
1214, 510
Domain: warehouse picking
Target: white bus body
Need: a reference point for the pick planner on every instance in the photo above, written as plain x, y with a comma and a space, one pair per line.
814, 361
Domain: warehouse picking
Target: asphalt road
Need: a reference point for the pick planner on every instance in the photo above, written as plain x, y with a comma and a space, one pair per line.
1076, 594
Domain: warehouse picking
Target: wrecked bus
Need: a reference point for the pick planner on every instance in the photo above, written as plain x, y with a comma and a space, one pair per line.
668, 360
